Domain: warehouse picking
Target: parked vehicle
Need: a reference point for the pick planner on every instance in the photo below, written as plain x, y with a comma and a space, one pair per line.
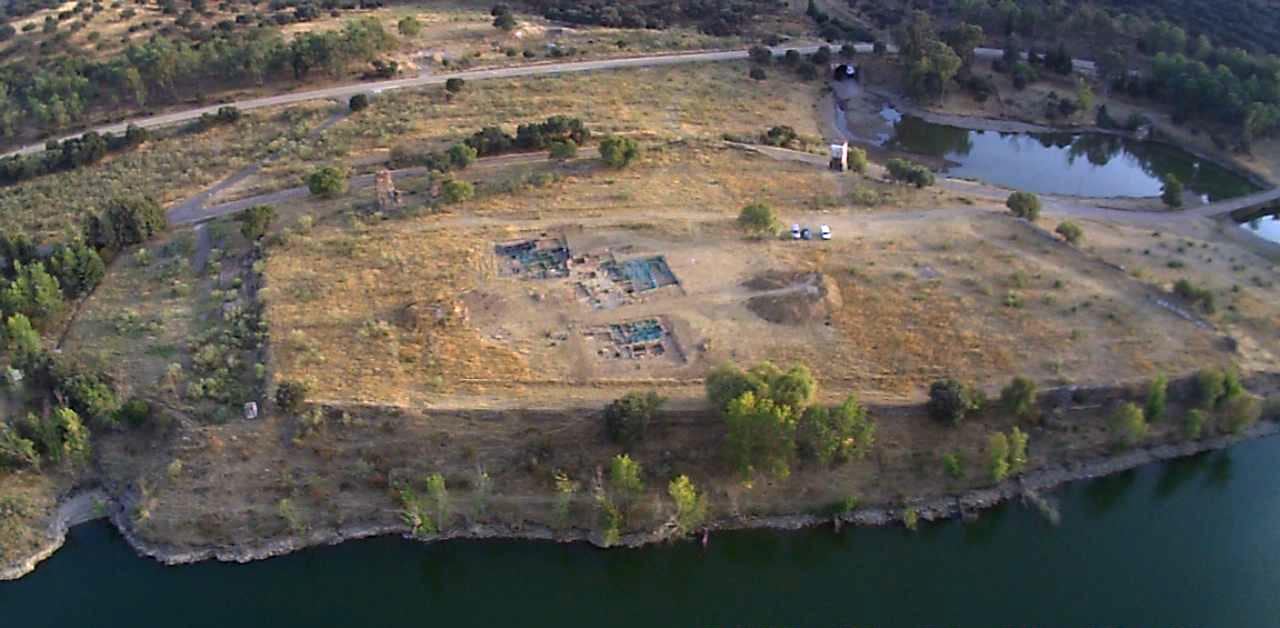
805, 234
825, 232
795, 232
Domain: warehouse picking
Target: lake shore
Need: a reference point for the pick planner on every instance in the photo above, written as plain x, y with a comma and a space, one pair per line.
93, 503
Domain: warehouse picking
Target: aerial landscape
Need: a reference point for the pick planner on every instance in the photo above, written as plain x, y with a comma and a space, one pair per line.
723, 312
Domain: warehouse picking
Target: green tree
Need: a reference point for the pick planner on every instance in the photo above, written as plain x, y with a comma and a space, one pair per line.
461, 156
691, 508
16, 452
1018, 441
625, 479
1019, 398
1157, 399
619, 152
760, 55
795, 388
761, 435
1024, 205
998, 456
457, 191
950, 401
964, 40
1210, 387
438, 494
835, 435
128, 220
22, 340
1172, 193
327, 182
563, 149
1128, 425
857, 159
1194, 422
1070, 231
358, 102
905, 171
78, 268
758, 220
505, 22
728, 382
627, 419
409, 26
1084, 96
255, 221
1240, 412
291, 396
953, 465
33, 292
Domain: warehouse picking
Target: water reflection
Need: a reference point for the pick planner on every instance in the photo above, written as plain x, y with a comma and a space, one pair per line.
1178, 472
1090, 164
1104, 494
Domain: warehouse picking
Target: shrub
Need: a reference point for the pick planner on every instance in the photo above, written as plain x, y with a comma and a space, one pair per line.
505, 22
15, 451
904, 171
358, 102
807, 72
563, 149
758, 220
857, 160
1172, 193
691, 508
728, 382
627, 419
409, 26
911, 519
1070, 231
1194, 423
780, 136
255, 221
1239, 412
1128, 425
327, 182
953, 465
1157, 399
33, 292
761, 435
461, 155
1198, 296
760, 55
135, 412
291, 396
454, 85
1018, 441
1210, 386
1024, 205
998, 456
1019, 398
950, 401
619, 152
77, 267
822, 56
758, 74
457, 191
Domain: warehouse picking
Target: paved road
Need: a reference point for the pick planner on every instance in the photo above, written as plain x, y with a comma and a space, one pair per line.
342, 92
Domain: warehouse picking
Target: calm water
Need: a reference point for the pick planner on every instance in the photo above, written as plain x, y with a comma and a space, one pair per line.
1061, 163
1190, 543
1266, 226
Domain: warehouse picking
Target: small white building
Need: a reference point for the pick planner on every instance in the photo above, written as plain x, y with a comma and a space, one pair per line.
840, 156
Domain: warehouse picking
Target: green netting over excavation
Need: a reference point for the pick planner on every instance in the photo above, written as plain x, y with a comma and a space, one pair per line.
642, 274
534, 260
647, 330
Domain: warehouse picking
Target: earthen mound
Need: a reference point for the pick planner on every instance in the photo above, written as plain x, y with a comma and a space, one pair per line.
795, 298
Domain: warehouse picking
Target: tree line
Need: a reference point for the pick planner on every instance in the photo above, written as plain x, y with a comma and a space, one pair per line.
714, 17
62, 93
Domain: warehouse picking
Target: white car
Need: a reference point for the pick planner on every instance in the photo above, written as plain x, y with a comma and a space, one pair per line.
795, 232
824, 232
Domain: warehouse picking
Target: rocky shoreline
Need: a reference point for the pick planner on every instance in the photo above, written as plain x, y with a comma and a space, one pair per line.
87, 505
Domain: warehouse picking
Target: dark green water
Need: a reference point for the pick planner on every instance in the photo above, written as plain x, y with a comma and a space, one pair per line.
1189, 543
1088, 164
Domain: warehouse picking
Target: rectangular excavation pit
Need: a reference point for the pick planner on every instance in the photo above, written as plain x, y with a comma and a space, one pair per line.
647, 339
605, 283
536, 258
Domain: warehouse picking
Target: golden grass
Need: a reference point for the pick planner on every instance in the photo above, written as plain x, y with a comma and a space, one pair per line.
701, 101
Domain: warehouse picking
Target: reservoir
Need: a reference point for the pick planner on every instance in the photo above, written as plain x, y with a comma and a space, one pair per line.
1191, 543
1080, 164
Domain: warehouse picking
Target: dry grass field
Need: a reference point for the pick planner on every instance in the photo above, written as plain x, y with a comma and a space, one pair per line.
169, 168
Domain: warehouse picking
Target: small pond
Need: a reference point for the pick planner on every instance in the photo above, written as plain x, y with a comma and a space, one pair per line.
1079, 164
